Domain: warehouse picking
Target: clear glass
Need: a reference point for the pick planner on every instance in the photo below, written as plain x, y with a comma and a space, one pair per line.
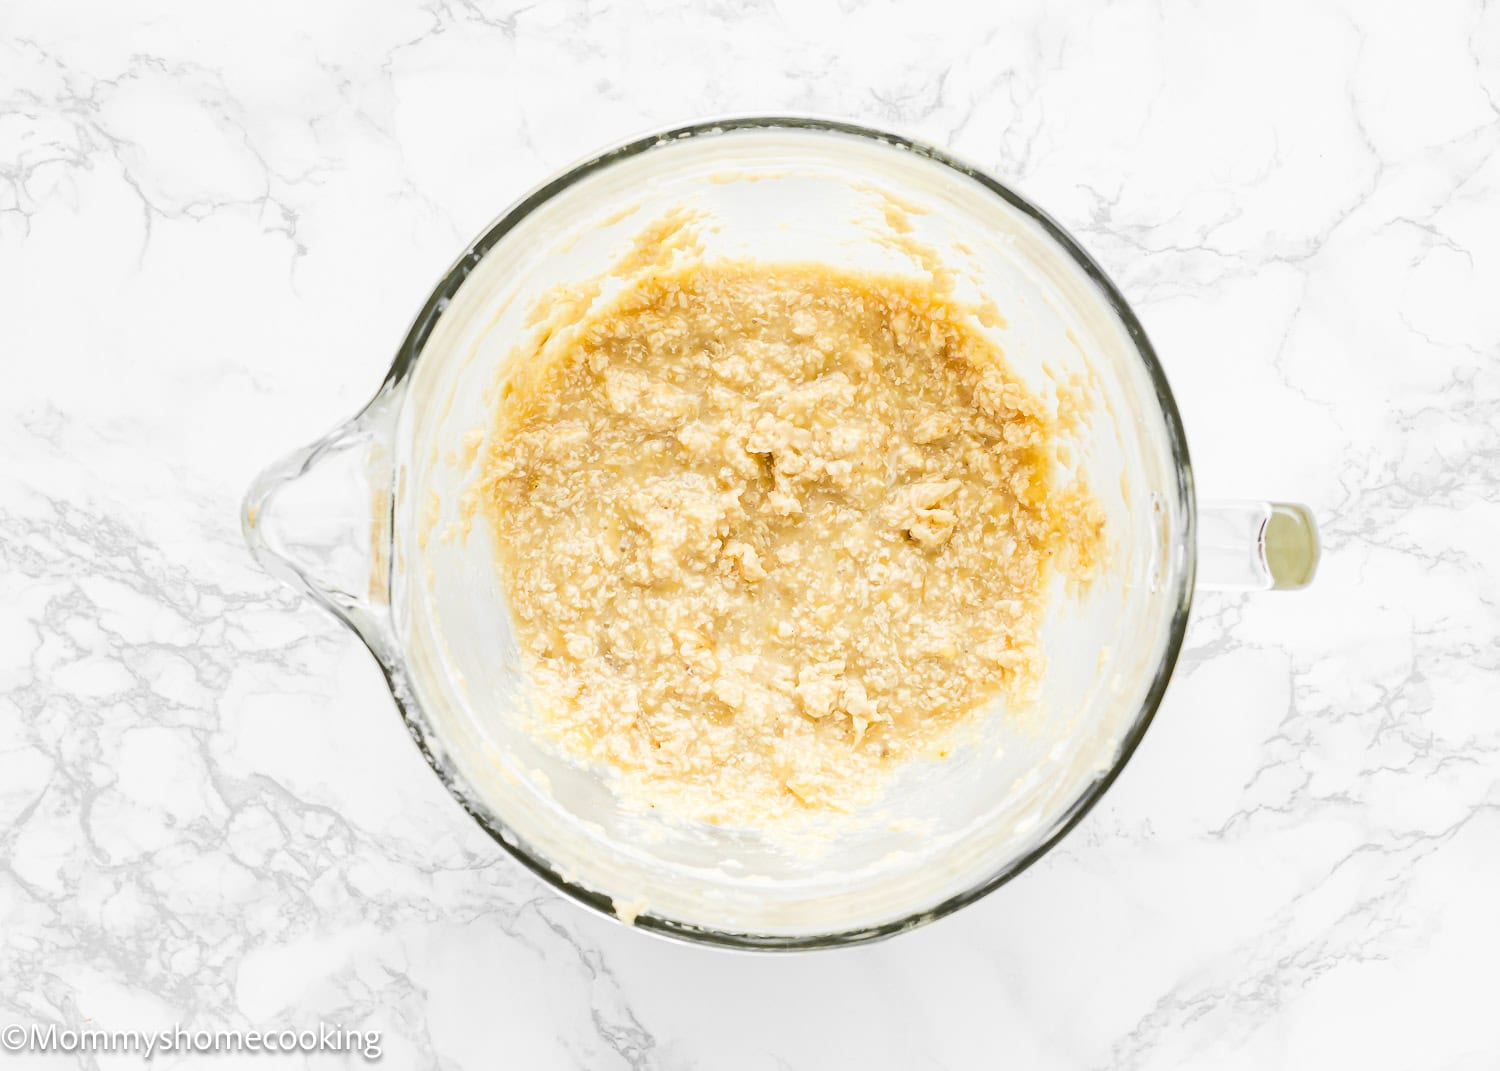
358, 521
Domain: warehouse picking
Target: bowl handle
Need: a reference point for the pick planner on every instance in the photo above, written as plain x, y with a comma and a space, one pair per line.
321, 520
1256, 546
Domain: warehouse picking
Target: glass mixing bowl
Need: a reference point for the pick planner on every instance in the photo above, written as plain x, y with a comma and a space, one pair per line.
354, 519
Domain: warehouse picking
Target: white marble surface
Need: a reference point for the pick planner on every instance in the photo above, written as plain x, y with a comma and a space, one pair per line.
215, 222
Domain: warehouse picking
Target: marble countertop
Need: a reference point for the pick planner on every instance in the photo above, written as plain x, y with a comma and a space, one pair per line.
215, 224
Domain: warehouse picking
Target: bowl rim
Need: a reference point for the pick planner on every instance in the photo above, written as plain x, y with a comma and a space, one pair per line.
432, 311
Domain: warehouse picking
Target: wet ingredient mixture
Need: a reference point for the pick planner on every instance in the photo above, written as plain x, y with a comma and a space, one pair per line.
769, 531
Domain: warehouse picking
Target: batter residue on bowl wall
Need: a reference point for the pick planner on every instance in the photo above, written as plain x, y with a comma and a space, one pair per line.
769, 530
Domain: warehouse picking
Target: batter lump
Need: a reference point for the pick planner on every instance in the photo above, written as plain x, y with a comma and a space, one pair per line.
769, 531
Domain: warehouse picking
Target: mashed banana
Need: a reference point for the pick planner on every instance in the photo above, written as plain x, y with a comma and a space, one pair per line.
767, 531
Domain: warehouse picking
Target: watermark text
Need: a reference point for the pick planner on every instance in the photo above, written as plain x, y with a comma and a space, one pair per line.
325, 1037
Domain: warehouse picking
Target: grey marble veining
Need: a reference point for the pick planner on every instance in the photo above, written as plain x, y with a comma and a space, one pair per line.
216, 221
